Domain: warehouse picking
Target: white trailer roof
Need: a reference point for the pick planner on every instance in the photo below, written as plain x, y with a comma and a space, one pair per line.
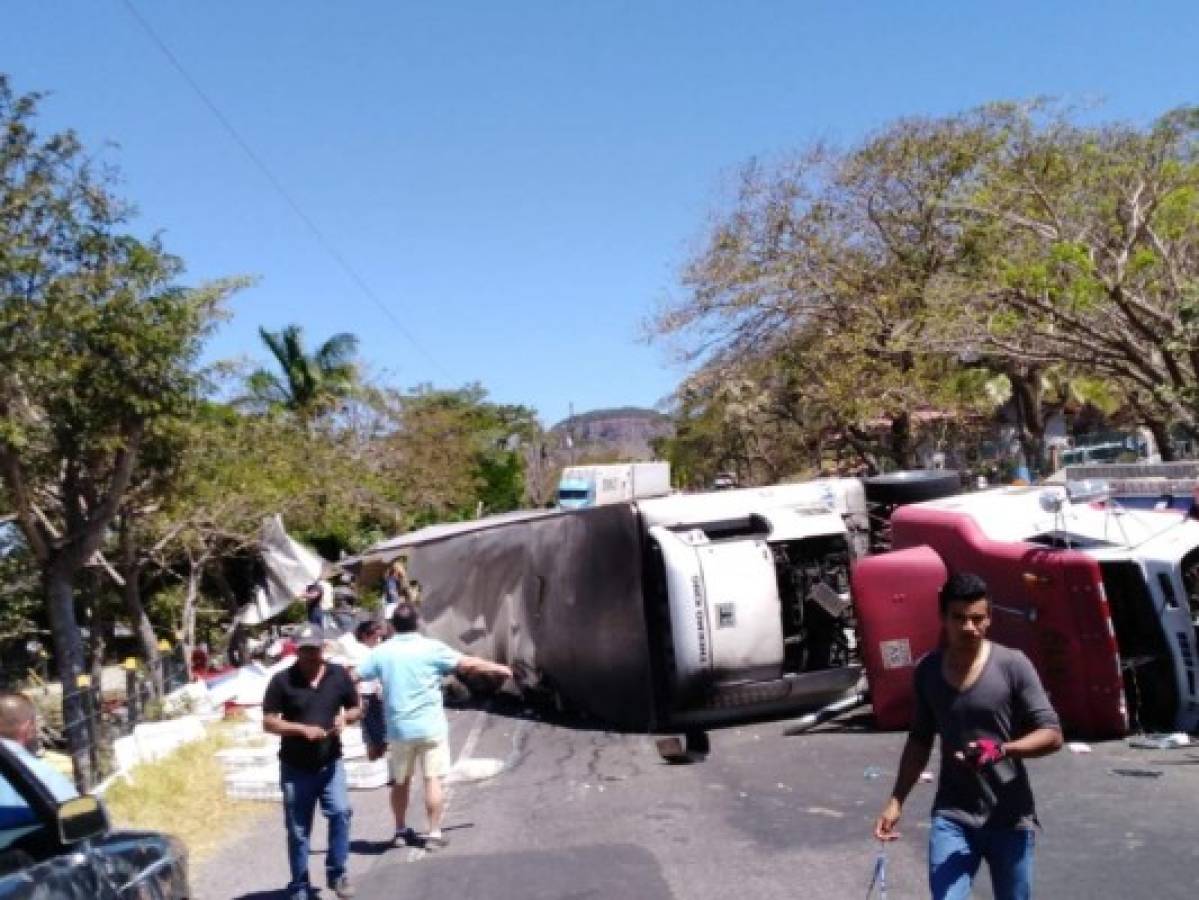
1017, 514
840, 495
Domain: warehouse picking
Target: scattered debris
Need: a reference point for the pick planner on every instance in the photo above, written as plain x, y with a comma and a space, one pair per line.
1160, 741
926, 777
872, 773
475, 768
831, 711
822, 811
252, 772
680, 750
1078, 747
1138, 773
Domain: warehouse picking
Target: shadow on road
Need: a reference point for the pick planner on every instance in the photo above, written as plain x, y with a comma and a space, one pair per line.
378, 848
371, 848
530, 708
592, 872
280, 894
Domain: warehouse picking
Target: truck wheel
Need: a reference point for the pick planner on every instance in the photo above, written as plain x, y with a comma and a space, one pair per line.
912, 486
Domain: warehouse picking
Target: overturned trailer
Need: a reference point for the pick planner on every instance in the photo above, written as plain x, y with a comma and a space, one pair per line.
670, 612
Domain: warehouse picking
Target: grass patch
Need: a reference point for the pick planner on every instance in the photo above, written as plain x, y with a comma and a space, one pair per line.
184, 795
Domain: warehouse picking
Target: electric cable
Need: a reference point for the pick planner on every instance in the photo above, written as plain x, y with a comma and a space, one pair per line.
280, 189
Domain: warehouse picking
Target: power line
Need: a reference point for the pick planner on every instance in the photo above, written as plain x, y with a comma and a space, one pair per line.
266, 172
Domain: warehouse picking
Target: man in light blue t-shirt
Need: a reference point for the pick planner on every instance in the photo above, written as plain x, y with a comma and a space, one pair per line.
410, 667
18, 730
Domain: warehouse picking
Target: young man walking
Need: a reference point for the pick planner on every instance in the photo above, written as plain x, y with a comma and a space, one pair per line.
987, 704
410, 667
307, 705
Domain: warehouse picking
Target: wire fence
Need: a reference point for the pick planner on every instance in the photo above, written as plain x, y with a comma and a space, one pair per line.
110, 708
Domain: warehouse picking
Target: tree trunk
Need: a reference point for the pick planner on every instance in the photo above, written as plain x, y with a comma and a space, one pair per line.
901, 440
131, 571
1030, 418
68, 653
189, 614
97, 644
1161, 436
145, 632
862, 447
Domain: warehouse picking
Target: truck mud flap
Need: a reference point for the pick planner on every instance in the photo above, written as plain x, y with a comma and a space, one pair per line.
898, 623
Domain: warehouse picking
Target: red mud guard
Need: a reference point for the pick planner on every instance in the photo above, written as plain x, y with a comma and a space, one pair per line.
896, 600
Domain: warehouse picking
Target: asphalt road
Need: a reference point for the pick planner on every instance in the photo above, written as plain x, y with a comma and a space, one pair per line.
578, 813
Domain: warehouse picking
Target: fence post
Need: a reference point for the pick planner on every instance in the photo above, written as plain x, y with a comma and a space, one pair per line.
87, 698
133, 694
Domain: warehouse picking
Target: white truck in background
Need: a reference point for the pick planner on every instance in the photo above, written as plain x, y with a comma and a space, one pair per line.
584, 486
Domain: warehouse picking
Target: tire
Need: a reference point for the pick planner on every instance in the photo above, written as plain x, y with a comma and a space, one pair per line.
913, 486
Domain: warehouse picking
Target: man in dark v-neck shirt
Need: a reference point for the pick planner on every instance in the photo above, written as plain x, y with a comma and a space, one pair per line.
991, 712
308, 705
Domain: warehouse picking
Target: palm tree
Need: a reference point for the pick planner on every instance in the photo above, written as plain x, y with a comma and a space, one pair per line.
308, 385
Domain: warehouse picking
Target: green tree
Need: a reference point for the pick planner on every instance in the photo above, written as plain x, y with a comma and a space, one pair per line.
1010, 239
453, 452
306, 384
1084, 250
98, 342
819, 280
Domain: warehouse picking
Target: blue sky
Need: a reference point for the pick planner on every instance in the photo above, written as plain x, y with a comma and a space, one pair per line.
519, 182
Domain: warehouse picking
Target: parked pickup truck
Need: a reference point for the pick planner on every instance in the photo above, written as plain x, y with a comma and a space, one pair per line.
68, 850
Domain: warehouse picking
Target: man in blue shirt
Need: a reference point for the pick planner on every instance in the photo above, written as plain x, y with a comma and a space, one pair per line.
18, 730
410, 667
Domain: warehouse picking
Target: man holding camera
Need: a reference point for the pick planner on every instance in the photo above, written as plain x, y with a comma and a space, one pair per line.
987, 704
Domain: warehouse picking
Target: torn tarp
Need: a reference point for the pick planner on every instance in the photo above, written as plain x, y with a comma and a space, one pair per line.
290, 567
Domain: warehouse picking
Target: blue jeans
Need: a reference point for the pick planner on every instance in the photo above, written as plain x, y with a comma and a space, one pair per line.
374, 726
301, 791
955, 851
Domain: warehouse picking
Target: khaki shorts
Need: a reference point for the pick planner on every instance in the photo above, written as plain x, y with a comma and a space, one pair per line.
433, 753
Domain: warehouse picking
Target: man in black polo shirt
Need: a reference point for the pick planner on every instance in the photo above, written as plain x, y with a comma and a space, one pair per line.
308, 705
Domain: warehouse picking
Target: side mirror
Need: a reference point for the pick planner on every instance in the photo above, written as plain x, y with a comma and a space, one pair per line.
81, 818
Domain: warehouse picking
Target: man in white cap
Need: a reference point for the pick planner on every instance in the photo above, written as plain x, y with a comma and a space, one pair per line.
308, 705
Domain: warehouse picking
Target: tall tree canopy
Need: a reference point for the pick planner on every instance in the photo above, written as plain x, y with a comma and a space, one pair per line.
1010, 239
98, 344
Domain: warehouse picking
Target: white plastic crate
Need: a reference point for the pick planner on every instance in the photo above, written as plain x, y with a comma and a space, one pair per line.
244, 732
158, 739
362, 775
352, 745
238, 759
261, 783
270, 793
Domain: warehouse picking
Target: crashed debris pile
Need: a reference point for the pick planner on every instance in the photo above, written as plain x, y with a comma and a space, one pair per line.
252, 766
